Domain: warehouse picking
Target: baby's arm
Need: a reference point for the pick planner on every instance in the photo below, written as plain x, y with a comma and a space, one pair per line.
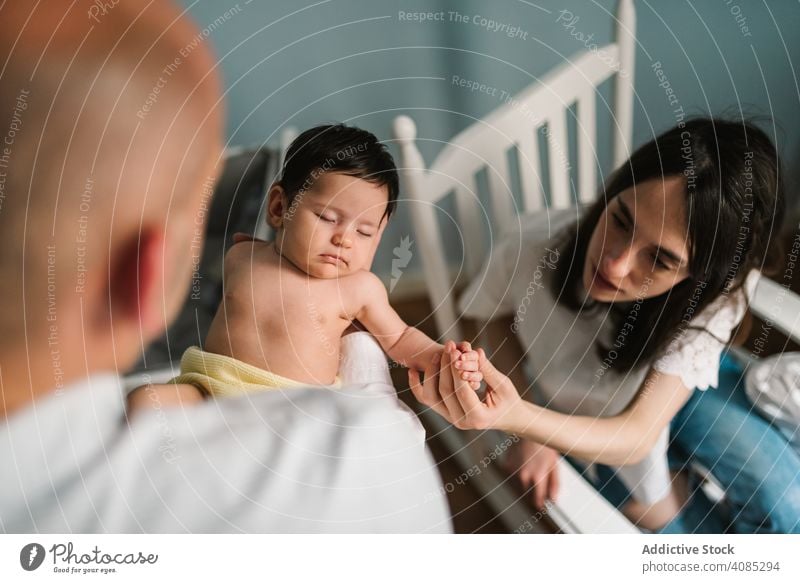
403, 343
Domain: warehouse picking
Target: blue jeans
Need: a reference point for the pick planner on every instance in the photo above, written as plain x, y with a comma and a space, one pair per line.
750, 458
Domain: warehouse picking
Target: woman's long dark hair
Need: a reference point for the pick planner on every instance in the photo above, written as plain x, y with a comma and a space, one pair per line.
734, 204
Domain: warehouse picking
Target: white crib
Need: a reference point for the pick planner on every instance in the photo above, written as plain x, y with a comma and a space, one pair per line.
485, 147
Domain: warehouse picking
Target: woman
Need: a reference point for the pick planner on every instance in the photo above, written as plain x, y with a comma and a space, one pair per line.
643, 293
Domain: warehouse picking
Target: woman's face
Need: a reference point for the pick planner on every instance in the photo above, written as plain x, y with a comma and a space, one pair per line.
640, 247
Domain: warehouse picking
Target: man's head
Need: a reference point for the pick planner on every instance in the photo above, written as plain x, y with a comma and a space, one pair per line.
338, 188
114, 143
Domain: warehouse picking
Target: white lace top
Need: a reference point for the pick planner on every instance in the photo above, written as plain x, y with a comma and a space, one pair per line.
694, 356
569, 373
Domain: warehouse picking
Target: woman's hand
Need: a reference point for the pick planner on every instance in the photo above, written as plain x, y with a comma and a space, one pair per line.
535, 465
452, 397
427, 392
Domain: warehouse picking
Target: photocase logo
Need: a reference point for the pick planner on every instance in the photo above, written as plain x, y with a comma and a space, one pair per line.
31, 556
402, 255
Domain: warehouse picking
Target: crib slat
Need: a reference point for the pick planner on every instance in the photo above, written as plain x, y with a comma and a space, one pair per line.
501, 196
587, 147
469, 219
434, 264
624, 37
529, 163
558, 157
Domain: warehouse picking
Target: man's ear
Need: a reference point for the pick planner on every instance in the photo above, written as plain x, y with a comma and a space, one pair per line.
136, 290
277, 206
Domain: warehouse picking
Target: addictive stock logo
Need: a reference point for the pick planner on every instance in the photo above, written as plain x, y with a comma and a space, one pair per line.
31, 556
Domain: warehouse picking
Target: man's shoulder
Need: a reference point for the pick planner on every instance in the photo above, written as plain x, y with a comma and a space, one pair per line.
305, 456
283, 461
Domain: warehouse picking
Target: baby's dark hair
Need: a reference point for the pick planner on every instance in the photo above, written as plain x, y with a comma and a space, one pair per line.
343, 149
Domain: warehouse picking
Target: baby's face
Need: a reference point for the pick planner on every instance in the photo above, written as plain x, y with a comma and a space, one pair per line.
334, 227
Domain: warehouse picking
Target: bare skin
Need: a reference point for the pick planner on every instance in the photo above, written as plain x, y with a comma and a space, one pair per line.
103, 186
279, 319
286, 304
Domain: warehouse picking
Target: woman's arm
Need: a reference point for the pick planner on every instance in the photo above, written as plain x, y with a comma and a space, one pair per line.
641, 418
620, 440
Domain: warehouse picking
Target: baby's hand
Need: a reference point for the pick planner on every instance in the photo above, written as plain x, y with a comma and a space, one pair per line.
466, 360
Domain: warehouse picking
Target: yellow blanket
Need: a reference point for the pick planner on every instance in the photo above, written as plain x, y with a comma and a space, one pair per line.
223, 376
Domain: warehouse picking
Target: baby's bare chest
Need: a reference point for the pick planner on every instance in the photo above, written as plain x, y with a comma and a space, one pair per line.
302, 304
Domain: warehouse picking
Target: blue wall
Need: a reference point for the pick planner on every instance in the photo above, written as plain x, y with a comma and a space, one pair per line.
302, 63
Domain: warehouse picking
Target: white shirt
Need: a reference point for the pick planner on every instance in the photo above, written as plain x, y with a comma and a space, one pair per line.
299, 460
561, 345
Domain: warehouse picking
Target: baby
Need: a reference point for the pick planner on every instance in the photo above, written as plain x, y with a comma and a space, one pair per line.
286, 304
